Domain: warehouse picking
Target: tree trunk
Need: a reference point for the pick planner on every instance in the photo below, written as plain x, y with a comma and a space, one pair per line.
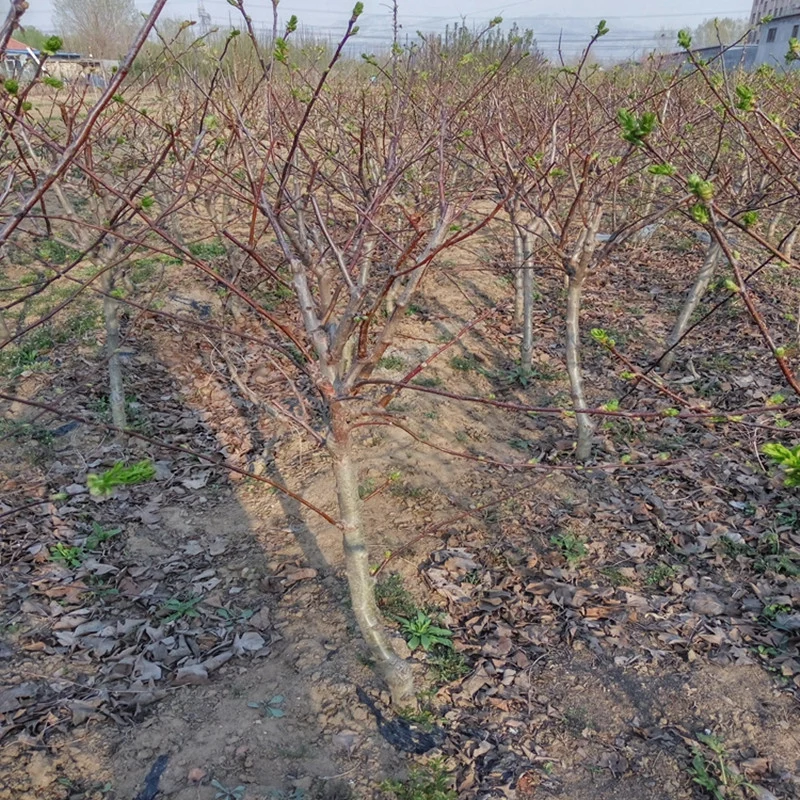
585, 426
772, 230
526, 361
394, 670
788, 245
691, 303
116, 397
519, 272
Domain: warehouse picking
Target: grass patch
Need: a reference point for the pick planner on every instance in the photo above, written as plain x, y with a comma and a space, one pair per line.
430, 781
660, 574
427, 381
464, 363
274, 296
448, 665
32, 350
212, 248
394, 600
394, 363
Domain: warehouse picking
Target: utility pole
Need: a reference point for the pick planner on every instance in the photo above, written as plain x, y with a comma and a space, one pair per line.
204, 18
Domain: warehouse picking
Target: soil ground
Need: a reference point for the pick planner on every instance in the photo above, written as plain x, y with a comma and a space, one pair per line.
624, 630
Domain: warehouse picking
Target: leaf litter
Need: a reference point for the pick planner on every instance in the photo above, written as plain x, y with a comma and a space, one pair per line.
636, 574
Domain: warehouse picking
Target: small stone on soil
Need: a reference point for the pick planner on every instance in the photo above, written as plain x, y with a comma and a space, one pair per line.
196, 774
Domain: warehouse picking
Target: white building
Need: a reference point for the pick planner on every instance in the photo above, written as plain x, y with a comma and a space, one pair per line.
773, 41
770, 8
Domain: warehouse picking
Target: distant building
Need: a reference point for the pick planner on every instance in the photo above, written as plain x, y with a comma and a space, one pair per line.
772, 8
15, 58
770, 46
20, 61
740, 56
773, 40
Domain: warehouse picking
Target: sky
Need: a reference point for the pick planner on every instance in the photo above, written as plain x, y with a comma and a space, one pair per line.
632, 22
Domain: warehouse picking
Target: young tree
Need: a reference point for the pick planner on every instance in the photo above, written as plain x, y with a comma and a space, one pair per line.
357, 194
100, 28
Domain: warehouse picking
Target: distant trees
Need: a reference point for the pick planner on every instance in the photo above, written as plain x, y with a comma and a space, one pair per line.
31, 36
716, 31
101, 28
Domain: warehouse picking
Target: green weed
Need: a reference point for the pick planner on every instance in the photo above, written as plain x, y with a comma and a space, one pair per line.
423, 717
394, 363
713, 774
175, 608
213, 248
428, 381
572, 547
103, 484
54, 252
464, 363
448, 665
659, 575
225, 793
32, 350
270, 708
74, 555
788, 458
69, 555
525, 376
393, 599
421, 632
428, 782
274, 296
366, 488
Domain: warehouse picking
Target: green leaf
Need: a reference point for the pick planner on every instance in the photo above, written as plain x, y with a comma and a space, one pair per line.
700, 213
700, 188
745, 97
661, 169
119, 475
52, 45
636, 129
684, 39
749, 218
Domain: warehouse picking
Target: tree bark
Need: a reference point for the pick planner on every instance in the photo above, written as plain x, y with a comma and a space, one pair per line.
575, 283
526, 358
519, 287
116, 396
395, 671
691, 303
